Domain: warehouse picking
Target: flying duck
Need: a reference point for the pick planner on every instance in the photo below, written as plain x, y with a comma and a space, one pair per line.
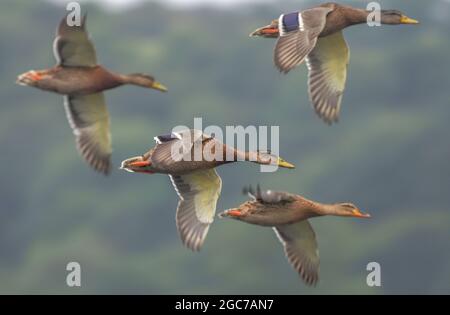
315, 36
81, 80
288, 214
190, 157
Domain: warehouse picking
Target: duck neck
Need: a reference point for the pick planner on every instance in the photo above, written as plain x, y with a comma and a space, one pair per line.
249, 156
109, 80
356, 16
126, 79
254, 157
327, 209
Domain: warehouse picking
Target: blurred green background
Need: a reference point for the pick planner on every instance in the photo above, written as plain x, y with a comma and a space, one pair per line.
389, 154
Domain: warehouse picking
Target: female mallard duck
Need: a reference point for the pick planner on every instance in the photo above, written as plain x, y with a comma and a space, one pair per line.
315, 35
193, 176
78, 76
288, 214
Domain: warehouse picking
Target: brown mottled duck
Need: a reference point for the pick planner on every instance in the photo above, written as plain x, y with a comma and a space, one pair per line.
288, 214
194, 178
81, 80
315, 36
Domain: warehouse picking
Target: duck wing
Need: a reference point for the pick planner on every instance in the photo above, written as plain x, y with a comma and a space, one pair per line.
72, 46
269, 196
298, 36
198, 192
327, 65
89, 119
300, 247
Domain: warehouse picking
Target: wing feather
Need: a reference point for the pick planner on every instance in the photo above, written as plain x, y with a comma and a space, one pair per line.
327, 64
300, 247
72, 46
293, 46
199, 192
89, 119
268, 196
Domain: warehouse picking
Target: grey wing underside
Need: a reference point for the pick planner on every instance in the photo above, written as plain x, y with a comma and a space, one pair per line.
301, 250
72, 46
89, 119
327, 64
199, 192
292, 47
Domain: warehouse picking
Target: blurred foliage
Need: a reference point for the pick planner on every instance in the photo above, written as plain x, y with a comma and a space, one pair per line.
389, 154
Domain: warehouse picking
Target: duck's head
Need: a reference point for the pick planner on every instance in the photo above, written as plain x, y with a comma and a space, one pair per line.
267, 158
268, 31
395, 17
349, 210
145, 80
137, 164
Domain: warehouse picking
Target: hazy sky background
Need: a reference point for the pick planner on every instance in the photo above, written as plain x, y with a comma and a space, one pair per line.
440, 8
119, 3
389, 154
125, 3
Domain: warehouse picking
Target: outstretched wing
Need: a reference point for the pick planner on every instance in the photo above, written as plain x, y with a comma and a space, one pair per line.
327, 65
72, 46
89, 119
300, 247
298, 36
199, 192
268, 196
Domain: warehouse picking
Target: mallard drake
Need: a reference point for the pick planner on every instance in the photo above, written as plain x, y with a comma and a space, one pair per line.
194, 177
315, 36
81, 80
288, 214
